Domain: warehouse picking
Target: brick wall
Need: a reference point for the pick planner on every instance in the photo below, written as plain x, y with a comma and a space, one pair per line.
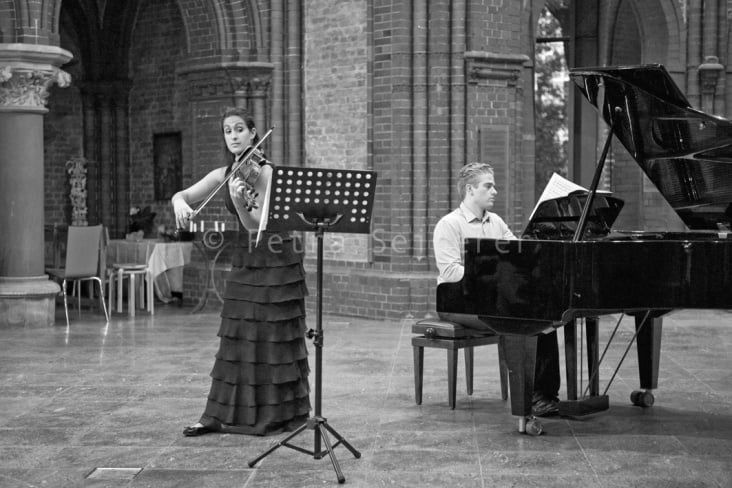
62, 134
386, 85
62, 140
158, 101
400, 87
336, 101
645, 208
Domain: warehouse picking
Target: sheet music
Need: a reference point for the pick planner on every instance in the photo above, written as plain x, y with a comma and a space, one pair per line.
557, 187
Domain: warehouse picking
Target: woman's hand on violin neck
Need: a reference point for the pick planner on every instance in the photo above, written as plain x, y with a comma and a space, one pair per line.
250, 199
237, 187
243, 193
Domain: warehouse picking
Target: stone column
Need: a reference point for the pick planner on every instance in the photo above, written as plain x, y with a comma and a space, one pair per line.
258, 94
27, 296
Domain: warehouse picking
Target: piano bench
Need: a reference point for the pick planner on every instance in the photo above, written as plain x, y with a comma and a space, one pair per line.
451, 336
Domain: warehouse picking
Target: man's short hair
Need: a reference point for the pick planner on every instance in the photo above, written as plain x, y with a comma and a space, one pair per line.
469, 174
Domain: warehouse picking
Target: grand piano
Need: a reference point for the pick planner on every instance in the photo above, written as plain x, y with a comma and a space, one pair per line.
571, 265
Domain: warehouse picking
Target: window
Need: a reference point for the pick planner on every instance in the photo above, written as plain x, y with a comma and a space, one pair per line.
551, 92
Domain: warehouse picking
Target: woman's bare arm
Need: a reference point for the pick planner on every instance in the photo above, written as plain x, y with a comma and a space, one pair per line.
195, 193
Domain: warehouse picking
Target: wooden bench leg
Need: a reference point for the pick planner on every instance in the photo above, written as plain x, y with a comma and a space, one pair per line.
453, 346
418, 353
469, 369
452, 359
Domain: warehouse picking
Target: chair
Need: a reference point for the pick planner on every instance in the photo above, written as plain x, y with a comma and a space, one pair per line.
118, 272
132, 263
84, 246
453, 337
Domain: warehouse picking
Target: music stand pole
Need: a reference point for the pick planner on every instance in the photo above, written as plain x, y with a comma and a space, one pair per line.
317, 422
318, 338
318, 200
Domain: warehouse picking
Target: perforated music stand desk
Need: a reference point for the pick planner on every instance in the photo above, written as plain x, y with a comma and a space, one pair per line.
318, 200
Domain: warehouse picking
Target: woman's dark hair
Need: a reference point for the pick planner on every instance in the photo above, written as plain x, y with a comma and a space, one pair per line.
246, 117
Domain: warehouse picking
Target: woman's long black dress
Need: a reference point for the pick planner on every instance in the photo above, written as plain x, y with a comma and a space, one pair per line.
260, 376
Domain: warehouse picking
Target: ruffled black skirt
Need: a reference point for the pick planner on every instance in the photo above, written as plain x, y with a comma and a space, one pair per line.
260, 376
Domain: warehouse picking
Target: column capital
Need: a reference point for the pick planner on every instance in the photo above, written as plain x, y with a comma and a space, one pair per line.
27, 71
258, 87
709, 72
217, 80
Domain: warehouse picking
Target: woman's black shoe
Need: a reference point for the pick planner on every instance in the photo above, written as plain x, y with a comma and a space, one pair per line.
193, 431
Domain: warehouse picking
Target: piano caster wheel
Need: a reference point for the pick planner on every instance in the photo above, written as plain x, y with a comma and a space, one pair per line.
642, 398
534, 427
530, 426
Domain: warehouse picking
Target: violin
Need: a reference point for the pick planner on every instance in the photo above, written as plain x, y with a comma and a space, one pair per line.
249, 173
251, 170
248, 168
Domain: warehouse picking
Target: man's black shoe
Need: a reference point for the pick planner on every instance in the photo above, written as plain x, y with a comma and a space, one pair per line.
545, 407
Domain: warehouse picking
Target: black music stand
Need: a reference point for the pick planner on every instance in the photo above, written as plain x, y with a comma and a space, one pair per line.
318, 200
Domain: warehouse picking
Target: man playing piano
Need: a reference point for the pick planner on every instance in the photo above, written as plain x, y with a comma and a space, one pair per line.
476, 186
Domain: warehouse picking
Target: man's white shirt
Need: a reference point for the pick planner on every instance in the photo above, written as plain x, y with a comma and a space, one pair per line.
452, 230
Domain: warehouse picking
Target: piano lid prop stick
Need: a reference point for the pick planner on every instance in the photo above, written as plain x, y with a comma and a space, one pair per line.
582, 224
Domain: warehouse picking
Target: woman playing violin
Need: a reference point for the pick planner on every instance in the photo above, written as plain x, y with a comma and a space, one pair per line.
260, 374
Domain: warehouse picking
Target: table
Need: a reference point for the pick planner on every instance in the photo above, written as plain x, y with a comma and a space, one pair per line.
165, 260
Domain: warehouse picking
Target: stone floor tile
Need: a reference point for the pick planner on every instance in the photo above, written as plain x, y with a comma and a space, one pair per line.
118, 395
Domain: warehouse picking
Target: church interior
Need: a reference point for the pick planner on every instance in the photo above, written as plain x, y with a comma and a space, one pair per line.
108, 108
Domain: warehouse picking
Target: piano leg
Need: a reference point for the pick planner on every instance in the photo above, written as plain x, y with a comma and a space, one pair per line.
593, 354
648, 342
520, 354
593, 402
570, 358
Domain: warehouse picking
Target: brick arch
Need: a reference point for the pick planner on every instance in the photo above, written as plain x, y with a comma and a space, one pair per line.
656, 26
626, 36
660, 25
222, 29
230, 30
213, 29
29, 22
241, 28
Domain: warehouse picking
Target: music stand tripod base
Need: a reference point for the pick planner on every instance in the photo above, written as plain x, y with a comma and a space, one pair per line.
318, 200
320, 426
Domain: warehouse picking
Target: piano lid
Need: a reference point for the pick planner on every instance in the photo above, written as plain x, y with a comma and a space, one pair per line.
686, 153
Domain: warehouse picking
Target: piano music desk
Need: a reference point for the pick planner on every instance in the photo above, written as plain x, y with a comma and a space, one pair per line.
452, 337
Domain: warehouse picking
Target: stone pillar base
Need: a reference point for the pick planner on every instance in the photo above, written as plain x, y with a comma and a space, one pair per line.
28, 301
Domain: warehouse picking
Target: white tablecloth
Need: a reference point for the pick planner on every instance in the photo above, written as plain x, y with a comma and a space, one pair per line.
165, 260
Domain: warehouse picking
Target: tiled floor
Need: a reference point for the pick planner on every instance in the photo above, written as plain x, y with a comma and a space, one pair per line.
117, 396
